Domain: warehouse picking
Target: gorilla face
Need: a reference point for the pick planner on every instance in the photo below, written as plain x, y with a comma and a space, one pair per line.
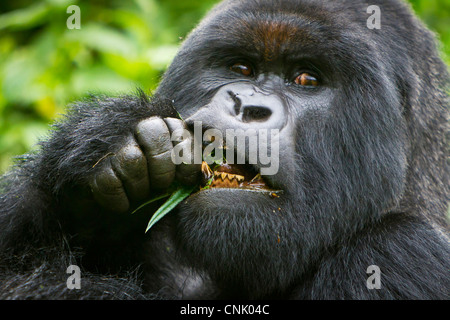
321, 79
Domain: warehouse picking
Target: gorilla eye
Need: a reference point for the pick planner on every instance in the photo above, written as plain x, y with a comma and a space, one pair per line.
243, 69
307, 80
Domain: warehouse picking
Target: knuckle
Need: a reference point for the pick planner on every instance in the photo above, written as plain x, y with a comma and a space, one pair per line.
151, 127
130, 157
153, 136
107, 182
175, 124
161, 163
108, 191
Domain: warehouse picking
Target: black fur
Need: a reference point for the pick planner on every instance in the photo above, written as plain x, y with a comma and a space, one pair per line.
366, 180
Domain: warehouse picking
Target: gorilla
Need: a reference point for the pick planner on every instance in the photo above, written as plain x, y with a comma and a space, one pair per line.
356, 210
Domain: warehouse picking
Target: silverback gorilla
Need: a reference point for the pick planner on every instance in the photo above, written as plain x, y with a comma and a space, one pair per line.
362, 120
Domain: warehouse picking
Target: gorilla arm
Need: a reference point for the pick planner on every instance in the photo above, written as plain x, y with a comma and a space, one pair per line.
77, 190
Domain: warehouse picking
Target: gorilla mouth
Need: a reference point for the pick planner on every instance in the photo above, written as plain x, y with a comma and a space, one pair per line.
232, 176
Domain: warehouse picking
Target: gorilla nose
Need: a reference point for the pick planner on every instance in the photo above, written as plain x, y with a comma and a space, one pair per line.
256, 113
250, 106
242, 106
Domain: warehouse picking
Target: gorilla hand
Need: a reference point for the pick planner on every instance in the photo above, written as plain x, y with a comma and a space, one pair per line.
143, 165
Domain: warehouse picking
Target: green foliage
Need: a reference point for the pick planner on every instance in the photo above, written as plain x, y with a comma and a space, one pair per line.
121, 45
175, 197
436, 15
44, 65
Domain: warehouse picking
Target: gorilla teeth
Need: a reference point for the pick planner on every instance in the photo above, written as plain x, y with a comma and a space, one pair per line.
221, 179
228, 176
226, 180
206, 171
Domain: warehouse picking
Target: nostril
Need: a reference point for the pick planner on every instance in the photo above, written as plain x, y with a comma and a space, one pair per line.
237, 102
253, 113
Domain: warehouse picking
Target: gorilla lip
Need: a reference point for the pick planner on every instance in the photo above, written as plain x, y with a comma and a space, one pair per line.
234, 176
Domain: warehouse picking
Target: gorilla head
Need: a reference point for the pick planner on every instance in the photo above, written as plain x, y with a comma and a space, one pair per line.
349, 106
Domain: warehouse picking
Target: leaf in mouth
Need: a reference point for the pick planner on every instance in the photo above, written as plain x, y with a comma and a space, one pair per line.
181, 193
177, 194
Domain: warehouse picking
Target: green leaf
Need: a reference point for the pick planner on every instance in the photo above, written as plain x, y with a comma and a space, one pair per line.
208, 184
179, 195
152, 200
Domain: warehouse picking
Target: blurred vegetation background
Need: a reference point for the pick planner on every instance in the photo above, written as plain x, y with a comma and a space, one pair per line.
121, 45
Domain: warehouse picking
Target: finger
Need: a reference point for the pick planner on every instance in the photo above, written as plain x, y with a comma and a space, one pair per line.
187, 172
154, 137
130, 165
177, 129
109, 192
161, 170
